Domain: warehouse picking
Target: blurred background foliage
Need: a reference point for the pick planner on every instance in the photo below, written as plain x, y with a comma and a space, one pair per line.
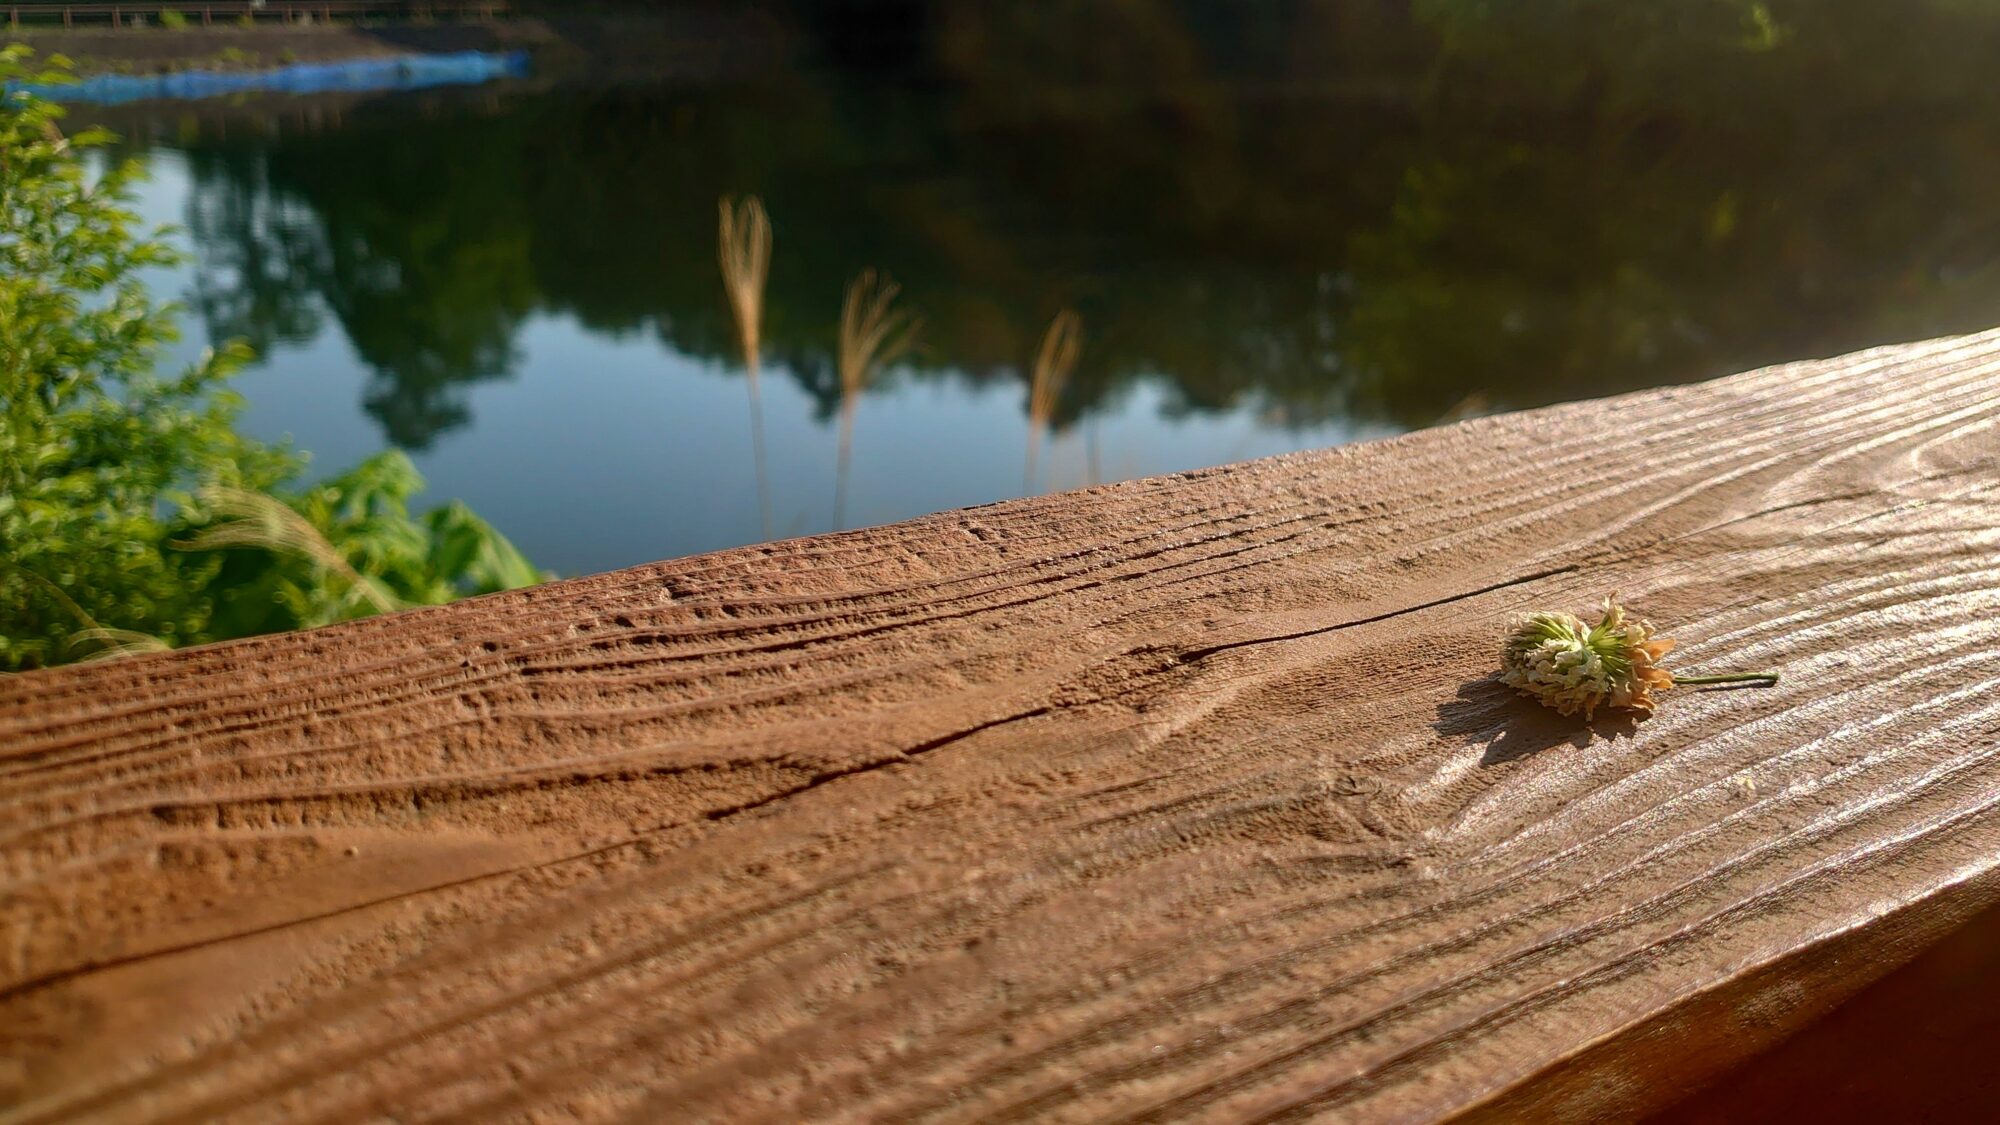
1383, 211
1332, 208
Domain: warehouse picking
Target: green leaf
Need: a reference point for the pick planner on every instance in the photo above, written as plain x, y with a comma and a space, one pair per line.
471, 554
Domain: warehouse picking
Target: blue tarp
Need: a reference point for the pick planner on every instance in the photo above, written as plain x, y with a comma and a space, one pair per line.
406, 72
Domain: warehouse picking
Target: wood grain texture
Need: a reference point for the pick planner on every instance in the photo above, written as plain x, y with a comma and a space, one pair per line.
1187, 798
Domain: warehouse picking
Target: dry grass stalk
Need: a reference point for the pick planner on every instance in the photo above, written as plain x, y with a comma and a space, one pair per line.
118, 642
1061, 345
873, 334
112, 642
246, 519
743, 249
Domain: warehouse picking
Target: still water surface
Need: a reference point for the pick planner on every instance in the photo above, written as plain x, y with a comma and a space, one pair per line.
1329, 234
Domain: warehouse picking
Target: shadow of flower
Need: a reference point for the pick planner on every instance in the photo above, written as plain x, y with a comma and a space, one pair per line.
1512, 727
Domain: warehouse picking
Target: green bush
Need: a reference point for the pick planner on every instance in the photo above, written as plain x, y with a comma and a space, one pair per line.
344, 548
173, 21
128, 501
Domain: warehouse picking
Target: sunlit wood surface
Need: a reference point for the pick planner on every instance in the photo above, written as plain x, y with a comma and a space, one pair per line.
1186, 798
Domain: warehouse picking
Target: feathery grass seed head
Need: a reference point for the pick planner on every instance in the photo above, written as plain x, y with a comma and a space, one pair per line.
873, 332
1054, 361
744, 252
241, 518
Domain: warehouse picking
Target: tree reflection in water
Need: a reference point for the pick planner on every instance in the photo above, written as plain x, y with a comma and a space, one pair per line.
1377, 211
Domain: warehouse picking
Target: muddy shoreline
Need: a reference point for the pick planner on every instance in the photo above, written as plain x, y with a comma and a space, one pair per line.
695, 43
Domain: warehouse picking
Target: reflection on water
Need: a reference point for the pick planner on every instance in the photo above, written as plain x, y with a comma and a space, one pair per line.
1330, 220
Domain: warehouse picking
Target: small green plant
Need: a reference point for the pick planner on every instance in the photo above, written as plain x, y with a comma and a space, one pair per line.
246, 20
130, 507
287, 56
94, 442
344, 548
173, 21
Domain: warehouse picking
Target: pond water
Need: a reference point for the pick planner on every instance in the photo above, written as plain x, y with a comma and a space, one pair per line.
1281, 232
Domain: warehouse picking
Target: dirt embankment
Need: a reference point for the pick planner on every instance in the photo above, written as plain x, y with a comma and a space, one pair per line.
688, 42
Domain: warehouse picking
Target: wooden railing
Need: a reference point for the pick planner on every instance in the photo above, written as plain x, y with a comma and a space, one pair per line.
1186, 798
271, 11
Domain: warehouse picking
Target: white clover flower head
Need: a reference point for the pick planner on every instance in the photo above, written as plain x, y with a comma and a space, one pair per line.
1558, 660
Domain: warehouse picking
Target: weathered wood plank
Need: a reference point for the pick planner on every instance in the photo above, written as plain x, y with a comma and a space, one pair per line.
1914, 1046
1188, 798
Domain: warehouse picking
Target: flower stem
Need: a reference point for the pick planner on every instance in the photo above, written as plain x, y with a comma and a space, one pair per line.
1728, 678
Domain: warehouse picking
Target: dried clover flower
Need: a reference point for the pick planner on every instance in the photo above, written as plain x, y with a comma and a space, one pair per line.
1571, 667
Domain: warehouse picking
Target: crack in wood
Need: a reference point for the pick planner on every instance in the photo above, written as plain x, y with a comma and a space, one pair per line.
1196, 655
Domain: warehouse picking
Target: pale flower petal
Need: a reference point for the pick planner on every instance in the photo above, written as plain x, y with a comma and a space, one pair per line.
1558, 660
